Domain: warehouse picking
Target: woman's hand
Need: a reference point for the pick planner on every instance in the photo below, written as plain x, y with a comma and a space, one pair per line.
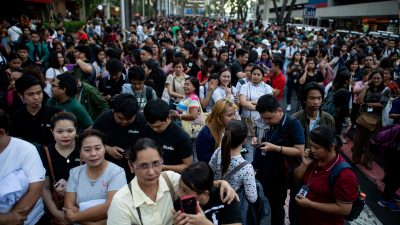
227, 193
60, 215
69, 215
174, 113
307, 157
197, 219
303, 201
179, 218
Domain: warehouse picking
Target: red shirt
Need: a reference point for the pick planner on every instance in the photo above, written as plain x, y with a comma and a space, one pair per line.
278, 82
344, 190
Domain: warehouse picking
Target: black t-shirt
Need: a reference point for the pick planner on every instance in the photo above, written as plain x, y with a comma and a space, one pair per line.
318, 77
194, 68
218, 212
33, 128
108, 86
235, 68
174, 142
123, 137
61, 166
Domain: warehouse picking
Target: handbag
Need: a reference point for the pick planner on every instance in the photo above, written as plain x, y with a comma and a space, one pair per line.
194, 127
58, 200
369, 121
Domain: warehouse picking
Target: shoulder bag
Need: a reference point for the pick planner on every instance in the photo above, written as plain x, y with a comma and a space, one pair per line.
194, 127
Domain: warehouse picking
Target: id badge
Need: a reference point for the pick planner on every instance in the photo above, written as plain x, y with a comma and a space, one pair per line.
303, 191
370, 109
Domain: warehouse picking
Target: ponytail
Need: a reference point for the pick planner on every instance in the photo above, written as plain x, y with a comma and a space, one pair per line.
226, 151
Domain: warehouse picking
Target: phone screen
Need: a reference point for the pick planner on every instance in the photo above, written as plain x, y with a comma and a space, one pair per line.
189, 204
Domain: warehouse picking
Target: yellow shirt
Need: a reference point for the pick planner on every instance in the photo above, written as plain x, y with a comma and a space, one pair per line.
123, 211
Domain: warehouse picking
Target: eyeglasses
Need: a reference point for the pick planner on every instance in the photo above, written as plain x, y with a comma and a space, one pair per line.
53, 85
145, 166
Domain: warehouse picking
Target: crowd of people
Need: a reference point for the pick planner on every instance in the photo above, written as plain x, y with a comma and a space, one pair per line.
92, 125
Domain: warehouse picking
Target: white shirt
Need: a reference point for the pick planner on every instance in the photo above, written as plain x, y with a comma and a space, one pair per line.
22, 156
253, 93
14, 32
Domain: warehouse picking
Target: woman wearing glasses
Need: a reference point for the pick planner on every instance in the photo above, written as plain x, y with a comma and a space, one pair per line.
92, 186
148, 198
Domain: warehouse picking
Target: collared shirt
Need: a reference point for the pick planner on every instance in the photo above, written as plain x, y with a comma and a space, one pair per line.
344, 191
123, 210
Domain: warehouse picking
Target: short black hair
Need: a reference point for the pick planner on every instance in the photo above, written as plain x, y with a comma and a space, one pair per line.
68, 82
89, 133
114, 66
84, 49
241, 52
147, 49
26, 81
267, 103
307, 88
198, 177
278, 62
4, 121
140, 145
156, 110
136, 73
126, 104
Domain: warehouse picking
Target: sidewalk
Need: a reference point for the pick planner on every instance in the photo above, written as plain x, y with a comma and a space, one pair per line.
375, 175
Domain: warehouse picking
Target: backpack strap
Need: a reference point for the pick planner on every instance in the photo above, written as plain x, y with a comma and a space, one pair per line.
240, 166
149, 93
336, 171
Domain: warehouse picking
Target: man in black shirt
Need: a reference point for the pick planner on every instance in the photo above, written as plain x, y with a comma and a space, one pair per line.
242, 56
111, 85
123, 126
32, 122
173, 140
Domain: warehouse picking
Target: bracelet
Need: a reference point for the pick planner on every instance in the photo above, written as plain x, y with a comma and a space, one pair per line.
281, 149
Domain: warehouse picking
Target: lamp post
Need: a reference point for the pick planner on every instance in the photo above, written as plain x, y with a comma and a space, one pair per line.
330, 23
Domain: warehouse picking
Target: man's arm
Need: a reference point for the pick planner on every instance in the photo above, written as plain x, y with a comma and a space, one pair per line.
180, 167
30, 198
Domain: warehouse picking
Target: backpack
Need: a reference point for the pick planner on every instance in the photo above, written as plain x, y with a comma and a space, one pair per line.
359, 203
257, 213
330, 75
328, 102
387, 138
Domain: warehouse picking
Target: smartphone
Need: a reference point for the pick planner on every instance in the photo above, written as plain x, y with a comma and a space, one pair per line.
257, 146
189, 204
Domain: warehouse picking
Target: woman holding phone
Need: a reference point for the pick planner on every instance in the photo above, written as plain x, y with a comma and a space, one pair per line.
318, 202
60, 156
147, 198
199, 201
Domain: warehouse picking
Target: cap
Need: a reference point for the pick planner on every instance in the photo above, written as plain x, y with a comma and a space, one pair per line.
265, 42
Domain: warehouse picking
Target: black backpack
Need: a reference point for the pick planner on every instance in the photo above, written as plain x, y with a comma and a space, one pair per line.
359, 203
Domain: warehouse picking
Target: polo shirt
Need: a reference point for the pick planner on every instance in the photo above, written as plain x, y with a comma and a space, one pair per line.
122, 210
345, 190
278, 82
174, 142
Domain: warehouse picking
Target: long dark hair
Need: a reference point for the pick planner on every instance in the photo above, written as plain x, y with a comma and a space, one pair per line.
233, 137
195, 84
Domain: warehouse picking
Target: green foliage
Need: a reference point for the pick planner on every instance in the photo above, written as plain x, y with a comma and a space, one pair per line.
73, 26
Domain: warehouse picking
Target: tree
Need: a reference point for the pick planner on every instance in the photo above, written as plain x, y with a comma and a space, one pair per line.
281, 18
240, 7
